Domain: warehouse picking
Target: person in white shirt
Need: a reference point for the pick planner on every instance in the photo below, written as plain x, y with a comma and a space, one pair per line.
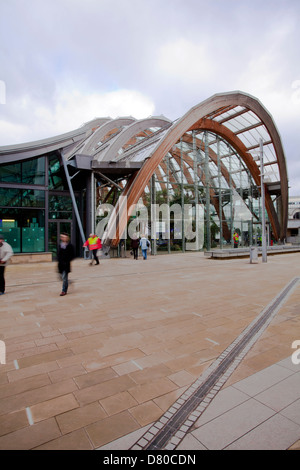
144, 244
6, 253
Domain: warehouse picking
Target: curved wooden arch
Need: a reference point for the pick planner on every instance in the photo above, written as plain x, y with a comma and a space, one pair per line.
99, 133
196, 118
126, 134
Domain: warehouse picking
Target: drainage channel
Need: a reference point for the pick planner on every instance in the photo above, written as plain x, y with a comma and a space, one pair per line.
182, 415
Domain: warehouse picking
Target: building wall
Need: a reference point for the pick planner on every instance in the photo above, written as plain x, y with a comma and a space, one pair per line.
293, 231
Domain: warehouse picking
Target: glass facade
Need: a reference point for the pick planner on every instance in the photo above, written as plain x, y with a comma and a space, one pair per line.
24, 230
60, 206
206, 176
27, 172
56, 176
22, 208
14, 197
35, 204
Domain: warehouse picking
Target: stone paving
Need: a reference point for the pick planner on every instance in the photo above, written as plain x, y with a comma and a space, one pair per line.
95, 369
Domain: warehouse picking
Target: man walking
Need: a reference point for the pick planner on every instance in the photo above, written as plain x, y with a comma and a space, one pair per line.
66, 253
6, 253
144, 244
94, 244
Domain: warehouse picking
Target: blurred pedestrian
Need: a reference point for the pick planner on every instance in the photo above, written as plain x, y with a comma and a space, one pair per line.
94, 244
236, 239
6, 253
66, 253
144, 244
135, 243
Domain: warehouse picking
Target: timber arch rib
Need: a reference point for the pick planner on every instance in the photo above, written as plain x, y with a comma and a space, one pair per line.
240, 120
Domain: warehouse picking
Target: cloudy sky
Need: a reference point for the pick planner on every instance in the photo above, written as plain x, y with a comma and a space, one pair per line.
65, 62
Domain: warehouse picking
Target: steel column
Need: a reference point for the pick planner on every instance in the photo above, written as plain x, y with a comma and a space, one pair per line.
73, 199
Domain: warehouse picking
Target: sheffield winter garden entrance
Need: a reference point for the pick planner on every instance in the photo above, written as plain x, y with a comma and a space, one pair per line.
203, 168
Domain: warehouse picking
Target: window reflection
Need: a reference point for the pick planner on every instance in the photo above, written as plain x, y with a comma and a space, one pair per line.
24, 229
27, 172
13, 197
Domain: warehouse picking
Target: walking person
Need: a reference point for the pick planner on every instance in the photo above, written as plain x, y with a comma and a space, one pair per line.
135, 243
66, 253
236, 239
94, 244
6, 253
144, 244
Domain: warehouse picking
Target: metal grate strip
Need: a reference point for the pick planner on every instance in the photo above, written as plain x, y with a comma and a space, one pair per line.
192, 403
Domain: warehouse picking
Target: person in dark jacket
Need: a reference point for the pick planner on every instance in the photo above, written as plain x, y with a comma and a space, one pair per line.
135, 243
65, 255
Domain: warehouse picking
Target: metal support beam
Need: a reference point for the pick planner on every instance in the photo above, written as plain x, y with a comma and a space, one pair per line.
220, 192
182, 199
73, 198
263, 207
153, 214
168, 202
196, 189
77, 173
231, 197
207, 194
109, 180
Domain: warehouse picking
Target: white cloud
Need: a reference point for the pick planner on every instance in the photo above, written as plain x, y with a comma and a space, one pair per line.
184, 60
174, 54
71, 109
295, 98
75, 107
2, 92
283, 104
9, 131
269, 73
122, 102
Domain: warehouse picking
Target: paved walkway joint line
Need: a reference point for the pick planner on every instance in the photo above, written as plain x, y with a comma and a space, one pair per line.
181, 416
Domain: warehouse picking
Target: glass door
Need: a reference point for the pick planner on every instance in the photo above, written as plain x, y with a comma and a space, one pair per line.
56, 227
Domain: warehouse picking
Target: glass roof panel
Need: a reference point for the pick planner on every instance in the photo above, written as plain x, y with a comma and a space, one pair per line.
229, 113
248, 139
112, 133
143, 149
269, 153
142, 136
143, 153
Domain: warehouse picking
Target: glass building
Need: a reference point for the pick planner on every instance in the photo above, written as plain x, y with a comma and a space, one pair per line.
117, 176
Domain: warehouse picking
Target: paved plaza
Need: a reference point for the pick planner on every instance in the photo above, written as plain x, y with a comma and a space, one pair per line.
98, 368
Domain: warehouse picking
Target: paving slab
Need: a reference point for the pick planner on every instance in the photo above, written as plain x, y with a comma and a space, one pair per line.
96, 368
243, 417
